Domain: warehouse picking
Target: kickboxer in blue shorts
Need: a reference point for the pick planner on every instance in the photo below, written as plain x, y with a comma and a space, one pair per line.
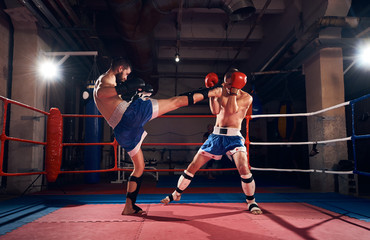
230, 109
126, 106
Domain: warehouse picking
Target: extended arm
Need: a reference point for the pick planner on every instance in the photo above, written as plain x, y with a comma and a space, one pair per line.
211, 81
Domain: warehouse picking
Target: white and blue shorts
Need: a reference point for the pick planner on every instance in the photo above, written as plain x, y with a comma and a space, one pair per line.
129, 131
223, 141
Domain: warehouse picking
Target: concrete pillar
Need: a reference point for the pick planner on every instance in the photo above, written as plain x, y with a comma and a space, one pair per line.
325, 88
27, 88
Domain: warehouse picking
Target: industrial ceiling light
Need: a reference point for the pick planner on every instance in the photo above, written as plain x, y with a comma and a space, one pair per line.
177, 57
239, 10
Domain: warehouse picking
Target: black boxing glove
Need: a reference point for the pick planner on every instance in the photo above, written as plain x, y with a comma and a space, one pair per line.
123, 90
130, 86
148, 88
129, 96
146, 92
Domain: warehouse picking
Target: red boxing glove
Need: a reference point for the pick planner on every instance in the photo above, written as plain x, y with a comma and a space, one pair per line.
238, 81
211, 80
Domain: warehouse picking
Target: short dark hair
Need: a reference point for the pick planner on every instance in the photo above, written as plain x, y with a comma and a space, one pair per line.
229, 72
120, 61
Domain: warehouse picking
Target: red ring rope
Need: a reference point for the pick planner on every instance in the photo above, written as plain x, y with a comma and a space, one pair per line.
54, 143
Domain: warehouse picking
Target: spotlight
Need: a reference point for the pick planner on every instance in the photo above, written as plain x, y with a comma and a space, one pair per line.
177, 57
364, 55
48, 69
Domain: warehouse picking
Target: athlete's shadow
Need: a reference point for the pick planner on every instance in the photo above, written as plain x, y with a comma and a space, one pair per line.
213, 229
174, 218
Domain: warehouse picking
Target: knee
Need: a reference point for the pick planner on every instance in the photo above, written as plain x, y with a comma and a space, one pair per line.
138, 171
244, 170
193, 167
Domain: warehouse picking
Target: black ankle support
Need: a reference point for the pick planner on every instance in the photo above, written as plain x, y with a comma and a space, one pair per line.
249, 197
133, 195
190, 97
170, 197
203, 91
253, 205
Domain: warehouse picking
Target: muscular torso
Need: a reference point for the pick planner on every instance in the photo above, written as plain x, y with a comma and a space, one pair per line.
105, 96
229, 119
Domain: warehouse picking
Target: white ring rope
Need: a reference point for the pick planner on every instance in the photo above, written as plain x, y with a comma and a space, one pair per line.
302, 143
301, 114
302, 170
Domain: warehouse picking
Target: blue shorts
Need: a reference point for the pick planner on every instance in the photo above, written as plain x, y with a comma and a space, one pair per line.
130, 132
219, 143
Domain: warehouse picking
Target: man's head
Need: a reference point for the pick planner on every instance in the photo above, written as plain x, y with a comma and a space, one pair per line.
121, 67
227, 78
227, 75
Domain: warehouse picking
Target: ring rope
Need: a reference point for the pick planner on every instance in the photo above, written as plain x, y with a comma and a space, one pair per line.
302, 143
7, 100
303, 170
301, 114
3, 138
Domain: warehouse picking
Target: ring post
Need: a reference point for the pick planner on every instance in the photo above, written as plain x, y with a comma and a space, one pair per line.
54, 147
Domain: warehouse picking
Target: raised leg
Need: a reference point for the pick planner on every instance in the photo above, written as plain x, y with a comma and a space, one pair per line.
171, 104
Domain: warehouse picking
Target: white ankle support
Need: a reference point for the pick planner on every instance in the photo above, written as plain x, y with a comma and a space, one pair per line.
184, 180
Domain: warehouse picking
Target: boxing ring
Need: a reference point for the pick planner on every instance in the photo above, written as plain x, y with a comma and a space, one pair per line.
206, 212
54, 144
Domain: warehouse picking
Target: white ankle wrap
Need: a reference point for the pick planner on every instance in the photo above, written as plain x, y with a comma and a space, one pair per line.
184, 181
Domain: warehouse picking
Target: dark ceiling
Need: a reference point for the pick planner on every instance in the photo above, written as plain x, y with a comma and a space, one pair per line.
209, 35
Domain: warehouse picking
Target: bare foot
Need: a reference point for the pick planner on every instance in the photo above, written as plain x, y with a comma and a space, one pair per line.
165, 200
256, 211
132, 211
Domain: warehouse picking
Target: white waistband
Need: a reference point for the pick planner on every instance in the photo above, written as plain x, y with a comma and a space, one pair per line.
226, 131
118, 113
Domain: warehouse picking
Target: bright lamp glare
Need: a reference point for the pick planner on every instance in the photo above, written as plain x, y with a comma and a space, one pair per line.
365, 56
48, 69
177, 57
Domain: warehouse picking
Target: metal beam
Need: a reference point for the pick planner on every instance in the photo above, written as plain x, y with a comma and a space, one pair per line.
66, 55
